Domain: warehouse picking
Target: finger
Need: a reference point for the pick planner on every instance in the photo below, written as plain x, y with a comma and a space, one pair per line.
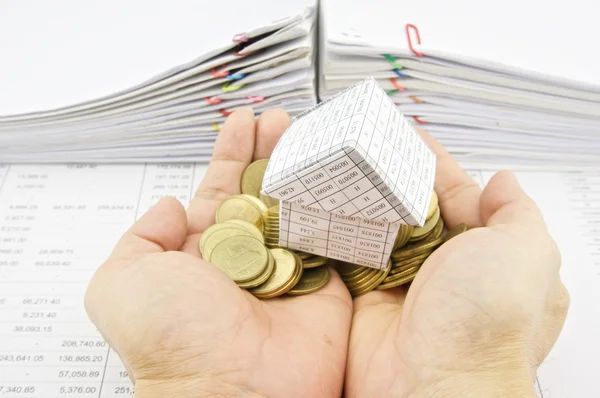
232, 154
458, 194
503, 201
551, 324
271, 125
392, 297
162, 228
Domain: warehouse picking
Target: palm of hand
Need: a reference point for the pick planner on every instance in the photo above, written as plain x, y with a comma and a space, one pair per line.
175, 317
206, 327
402, 319
472, 307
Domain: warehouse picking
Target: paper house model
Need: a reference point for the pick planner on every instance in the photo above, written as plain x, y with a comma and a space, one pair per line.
349, 172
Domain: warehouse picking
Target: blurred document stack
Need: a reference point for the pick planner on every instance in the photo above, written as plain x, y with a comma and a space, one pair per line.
513, 83
141, 81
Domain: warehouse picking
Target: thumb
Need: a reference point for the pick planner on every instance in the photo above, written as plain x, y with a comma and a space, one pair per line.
162, 228
503, 201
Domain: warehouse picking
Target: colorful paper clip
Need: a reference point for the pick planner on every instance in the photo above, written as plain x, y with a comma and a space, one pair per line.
256, 99
235, 77
240, 38
224, 112
227, 87
393, 61
237, 53
410, 45
416, 99
219, 74
213, 101
395, 64
216, 126
398, 87
419, 120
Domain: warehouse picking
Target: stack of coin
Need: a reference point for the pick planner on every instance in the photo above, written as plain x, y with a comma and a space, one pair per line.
412, 247
244, 241
272, 223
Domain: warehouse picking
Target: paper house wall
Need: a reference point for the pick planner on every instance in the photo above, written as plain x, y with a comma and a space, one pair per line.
349, 172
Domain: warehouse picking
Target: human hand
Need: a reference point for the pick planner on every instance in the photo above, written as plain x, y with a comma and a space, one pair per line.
482, 313
183, 328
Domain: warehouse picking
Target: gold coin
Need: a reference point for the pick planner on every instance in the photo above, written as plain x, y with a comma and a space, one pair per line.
313, 279
299, 270
288, 286
315, 261
262, 278
242, 258
210, 230
399, 238
347, 270
248, 227
274, 210
356, 274
398, 275
362, 278
415, 249
218, 236
303, 255
420, 232
257, 202
267, 200
238, 207
420, 255
285, 271
397, 282
407, 265
374, 283
433, 204
453, 232
253, 176
403, 236
436, 232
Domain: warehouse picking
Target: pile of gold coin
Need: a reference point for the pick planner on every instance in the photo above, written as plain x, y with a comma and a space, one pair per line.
412, 247
244, 240
244, 244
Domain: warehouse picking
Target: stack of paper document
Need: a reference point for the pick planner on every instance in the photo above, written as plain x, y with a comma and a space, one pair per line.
515, 82
145, 80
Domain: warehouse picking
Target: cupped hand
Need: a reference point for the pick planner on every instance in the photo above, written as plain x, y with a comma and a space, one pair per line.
482, 313
182, 328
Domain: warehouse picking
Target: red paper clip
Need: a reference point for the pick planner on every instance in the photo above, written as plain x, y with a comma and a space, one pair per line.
419, 120
219, 74
395, 83
408, 26
256, 99
237, 53
224, 112
213, 101
240, 38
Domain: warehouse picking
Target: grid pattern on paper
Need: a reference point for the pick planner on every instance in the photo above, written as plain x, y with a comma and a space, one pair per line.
395, 152
353, 240
337, 159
